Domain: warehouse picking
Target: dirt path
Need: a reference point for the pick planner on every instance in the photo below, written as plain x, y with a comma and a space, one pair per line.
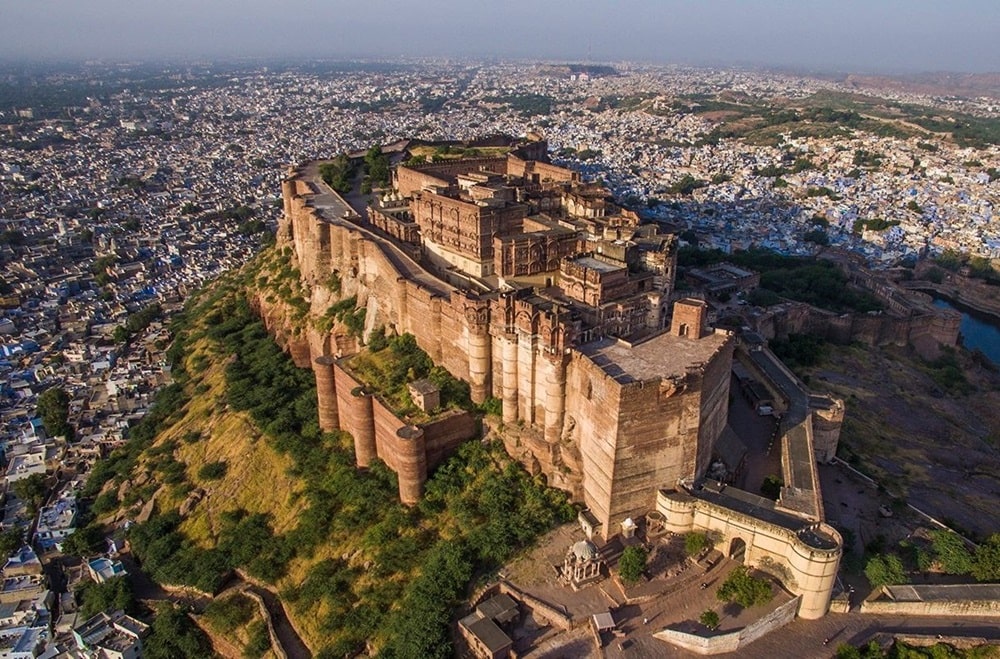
147, 590
290, 641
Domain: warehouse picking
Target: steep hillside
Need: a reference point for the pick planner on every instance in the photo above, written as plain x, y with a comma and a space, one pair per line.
240, 477
927, 430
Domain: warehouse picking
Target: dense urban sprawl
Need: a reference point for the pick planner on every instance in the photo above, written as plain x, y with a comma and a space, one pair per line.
120, 200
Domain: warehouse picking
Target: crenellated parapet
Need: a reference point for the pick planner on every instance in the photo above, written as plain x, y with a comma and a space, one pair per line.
805, 555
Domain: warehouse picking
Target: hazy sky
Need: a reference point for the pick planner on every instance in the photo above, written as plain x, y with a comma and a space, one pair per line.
843, 35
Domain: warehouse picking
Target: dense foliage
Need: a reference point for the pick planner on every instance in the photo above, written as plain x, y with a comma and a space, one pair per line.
225, 614
32, 490
527, 105
112, 595
978, 267
744, 589
409, 566
137, 322
631, 564
10, 541
885, 570
399, 362
799, 351
695, 542
53, 409
986, 566
814, 281
901, 650
377, 172
338, 173
173, 634
685, 185
945, 552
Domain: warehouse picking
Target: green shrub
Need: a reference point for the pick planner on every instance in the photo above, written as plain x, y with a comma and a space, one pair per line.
213, 470
259, 640
695, 542
225, 615
173, 634
105, 503
631, 564
744, 589
951, 552
112, 595
986, 566
885, 570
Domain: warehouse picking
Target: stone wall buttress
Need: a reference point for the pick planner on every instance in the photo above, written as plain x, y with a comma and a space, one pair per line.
555, 397
480, 350
510, 354
411, 460
363, 426
326, 394
526, 377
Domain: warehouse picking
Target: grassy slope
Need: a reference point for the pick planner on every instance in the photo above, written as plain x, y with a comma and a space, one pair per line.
357, 554
256, 478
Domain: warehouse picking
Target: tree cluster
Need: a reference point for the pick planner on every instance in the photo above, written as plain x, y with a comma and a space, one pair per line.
137, 322
685, 185
799, 351
377, 170
631, 564
814, 281
695, 542
32, 490
337, 173
113, 595
744, 589
53, 409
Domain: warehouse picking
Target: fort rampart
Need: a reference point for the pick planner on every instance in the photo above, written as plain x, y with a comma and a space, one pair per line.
597, 434
409, 450
804, 555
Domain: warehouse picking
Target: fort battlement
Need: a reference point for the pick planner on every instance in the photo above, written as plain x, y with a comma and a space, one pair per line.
609, 384
634, 413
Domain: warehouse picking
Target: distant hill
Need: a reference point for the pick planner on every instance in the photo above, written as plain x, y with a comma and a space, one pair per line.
592, 70
935, 84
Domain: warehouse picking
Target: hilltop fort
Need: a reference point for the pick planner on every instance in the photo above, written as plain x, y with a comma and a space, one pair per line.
542, 293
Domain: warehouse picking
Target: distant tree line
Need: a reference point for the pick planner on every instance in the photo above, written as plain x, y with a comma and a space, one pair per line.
814, 281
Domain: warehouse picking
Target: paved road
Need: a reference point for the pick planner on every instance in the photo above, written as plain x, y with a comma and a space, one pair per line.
757, 433
803, 639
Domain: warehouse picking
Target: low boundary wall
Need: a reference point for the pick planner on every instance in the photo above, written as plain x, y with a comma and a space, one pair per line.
733, 641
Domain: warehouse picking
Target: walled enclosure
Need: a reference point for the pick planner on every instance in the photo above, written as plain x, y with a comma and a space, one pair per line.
632, 433
804, 554
611, 420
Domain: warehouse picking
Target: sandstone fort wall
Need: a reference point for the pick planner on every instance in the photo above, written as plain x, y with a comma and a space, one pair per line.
612, 443
410, 451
